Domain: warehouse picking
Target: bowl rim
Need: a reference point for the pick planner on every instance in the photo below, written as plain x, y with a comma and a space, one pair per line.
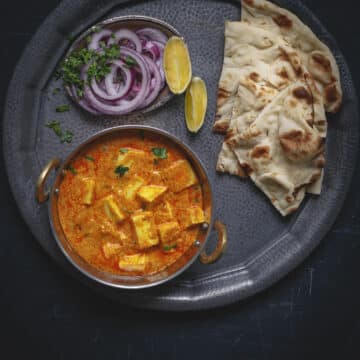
157, 102
103, 133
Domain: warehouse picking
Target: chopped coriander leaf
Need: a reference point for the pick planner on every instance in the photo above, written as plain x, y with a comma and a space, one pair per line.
55, 126
160, 152
96, 29
129, 61
56, 91
156, 161
90, 158
88, 39
62, 108
72, 169
113, 36
124, 150
169, 247
57, 74
66, 136
98, 65
80, 92
121, 170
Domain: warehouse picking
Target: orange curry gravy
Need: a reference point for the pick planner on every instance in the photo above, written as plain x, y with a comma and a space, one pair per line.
131, 205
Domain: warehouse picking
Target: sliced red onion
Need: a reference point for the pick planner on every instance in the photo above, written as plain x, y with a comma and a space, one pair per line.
159, 61
139, 85
97, 37
153, 49
128, 35
111, 92
152, 34
156, 83
123, 106
82, 102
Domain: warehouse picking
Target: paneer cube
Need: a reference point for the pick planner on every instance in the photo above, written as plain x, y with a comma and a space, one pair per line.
163, 212
112, 210
88, 188
128, 158
149, 193
168, 231
133, 187
111, 249
136, 262
179, 176
145, 229
191, 216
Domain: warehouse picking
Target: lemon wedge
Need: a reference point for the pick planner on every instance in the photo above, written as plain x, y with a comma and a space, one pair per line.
177, 65
195, 104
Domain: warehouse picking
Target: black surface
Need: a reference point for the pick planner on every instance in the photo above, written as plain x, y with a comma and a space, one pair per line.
256, 256
313, 312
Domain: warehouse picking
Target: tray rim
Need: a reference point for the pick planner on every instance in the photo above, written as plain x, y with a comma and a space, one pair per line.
248, 287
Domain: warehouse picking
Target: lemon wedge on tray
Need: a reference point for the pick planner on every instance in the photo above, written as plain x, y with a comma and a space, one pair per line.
177, 65
195, 104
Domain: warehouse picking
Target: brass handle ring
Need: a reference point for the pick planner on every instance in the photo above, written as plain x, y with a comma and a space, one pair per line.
41, 194
220, 246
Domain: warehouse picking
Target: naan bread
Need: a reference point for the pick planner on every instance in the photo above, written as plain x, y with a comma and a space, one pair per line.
283, 150
277, 80
315, 55
257, 65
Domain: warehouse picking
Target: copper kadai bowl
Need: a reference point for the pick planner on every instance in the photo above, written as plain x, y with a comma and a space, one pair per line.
121, 281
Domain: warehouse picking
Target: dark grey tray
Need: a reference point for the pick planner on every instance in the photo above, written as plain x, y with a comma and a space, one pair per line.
263, 246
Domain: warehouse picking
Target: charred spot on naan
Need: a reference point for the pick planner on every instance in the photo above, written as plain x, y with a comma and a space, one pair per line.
300, 145
247, 168
282, 21
319, 161
222, 96
283, 73
254, 76
332, 95
321, 61
260, 151
220, 127
293, 58
302, 94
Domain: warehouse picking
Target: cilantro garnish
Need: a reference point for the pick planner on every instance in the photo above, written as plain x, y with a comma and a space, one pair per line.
98, 65
129, 61
62, 108
72, 169
121, 170
90, 158
64, 136
169, 247
161, 153
124, 150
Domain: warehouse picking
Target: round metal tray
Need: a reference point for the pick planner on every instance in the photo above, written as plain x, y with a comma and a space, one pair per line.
263, 246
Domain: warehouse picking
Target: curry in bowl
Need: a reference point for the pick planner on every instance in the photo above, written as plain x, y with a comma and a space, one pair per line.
131, 204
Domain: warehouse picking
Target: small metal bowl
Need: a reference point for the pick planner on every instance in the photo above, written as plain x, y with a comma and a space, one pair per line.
132, 22
132, 282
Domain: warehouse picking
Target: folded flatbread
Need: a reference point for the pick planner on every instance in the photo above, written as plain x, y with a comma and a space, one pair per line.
275, 67
256, 67
315, 55
283, 150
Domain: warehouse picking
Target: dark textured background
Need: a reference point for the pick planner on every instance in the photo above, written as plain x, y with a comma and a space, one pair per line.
312, 313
